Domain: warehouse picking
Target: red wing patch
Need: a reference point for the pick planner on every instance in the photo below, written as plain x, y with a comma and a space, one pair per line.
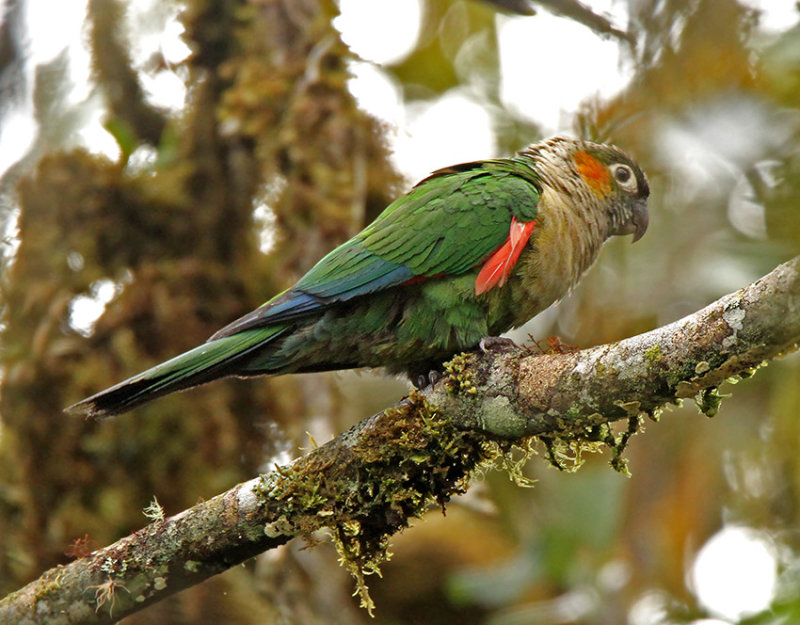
496, 270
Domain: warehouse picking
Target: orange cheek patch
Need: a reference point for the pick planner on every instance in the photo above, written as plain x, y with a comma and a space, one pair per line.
593, 172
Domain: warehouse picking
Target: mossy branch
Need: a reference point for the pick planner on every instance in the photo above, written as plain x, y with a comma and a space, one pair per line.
368, 483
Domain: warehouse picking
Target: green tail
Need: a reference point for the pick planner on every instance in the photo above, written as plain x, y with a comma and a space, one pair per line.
204, 363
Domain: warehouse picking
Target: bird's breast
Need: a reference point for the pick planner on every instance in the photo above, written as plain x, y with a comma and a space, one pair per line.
564, 245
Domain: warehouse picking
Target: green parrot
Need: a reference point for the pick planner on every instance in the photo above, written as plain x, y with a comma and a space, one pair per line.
471, 251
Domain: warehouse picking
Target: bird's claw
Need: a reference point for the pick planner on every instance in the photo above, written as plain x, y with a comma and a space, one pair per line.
423, 381
497, 344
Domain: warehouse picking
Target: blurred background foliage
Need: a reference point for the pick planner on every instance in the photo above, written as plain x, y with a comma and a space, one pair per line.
116, 258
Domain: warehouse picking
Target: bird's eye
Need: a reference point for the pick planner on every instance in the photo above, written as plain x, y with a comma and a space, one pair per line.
623, 174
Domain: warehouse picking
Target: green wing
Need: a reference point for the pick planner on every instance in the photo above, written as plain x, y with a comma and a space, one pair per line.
446, 225
455, 218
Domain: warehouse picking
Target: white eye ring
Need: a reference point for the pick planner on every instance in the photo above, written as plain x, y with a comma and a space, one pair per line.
624, 176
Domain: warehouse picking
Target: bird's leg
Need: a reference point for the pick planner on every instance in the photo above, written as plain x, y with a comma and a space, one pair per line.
497, 344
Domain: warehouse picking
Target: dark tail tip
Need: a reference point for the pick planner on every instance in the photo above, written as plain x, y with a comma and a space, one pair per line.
91, 409
202, 364
116, 400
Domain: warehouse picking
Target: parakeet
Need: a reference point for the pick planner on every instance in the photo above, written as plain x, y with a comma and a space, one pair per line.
471, 251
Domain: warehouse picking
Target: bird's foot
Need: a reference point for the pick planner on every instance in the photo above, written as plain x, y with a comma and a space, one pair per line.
423, 381
497, 344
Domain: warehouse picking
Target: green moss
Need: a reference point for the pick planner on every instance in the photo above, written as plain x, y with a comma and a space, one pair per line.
653, 355
566, 452
459, 372
748, 373
579, 434
50, 582
363, 492
617, 462
600, 369
512, 459
709, 400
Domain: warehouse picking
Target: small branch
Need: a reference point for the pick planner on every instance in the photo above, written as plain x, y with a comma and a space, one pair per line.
582, 14
367, 483
571, 9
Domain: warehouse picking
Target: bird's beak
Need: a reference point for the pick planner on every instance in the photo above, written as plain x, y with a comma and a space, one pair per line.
640, 219
637, 223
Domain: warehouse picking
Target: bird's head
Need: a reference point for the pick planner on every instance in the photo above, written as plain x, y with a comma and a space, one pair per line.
605, 176
615, 178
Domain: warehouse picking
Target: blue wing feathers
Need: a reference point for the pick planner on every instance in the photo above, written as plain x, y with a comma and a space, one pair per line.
374, 274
